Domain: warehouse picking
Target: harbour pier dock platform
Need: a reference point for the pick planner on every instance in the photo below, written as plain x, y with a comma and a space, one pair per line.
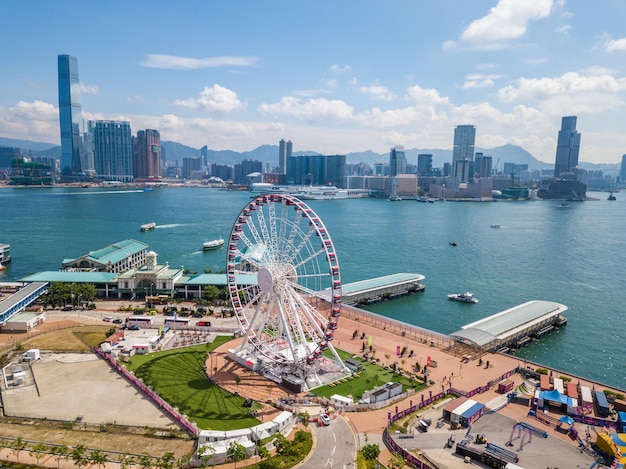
378, 289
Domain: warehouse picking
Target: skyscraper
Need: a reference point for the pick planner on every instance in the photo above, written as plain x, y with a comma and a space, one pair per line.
567, 149
622, 172
424, 164
70, 119
463, 150
147, 154
397, 161
113, 150
284, 151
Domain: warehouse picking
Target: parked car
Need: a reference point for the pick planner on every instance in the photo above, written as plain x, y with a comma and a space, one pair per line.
108, 318
117, 321
324, 419
68, 308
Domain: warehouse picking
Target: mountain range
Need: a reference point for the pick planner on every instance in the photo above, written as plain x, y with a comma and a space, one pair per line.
268, 155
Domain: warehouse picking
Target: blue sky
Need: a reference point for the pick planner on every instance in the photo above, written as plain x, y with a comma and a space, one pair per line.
332, 77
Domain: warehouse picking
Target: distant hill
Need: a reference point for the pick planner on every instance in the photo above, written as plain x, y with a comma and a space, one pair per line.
268, 155
26, 145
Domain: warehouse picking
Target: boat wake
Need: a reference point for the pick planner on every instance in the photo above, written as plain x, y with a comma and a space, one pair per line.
98, 192
171, 225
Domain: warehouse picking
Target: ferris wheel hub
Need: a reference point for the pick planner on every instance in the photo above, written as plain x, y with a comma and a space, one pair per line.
265, 280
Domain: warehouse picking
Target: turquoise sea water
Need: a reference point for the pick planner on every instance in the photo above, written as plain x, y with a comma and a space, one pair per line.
574, 255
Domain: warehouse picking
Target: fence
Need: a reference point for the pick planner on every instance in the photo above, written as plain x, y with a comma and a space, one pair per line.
400, 328
158, 401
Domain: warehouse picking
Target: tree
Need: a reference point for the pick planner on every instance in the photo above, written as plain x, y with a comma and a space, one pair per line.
262, 452
237, 381
211, 292
145, 461
236, 452
396, 462
38, 451
206, 452
370, 452
126, 461
166, 461
305, 417
98, 458
60, 452
18, 446
79, 457
282, 444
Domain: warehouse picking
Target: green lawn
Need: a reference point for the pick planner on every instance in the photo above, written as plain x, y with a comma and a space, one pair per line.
178, 377
369, 377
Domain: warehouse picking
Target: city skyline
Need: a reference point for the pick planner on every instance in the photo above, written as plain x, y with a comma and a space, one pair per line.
510, 68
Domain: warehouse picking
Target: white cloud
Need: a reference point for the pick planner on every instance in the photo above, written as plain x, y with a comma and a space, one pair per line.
35, 120
89, 89
378, 92
339, 69
507, 20
311, 110
563, 29
614, 45
213, 99
479, 80
570, 83
426, 96
174, 62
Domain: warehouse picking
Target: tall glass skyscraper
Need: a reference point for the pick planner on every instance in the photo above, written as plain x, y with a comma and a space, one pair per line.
397, 161
147, 155
568, 147
70, 119
463, 151
284, 152
113, 150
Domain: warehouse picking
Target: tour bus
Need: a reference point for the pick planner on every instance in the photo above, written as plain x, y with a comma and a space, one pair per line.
139, 321
176, 323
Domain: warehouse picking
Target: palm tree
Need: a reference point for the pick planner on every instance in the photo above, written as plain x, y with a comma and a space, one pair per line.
38, 451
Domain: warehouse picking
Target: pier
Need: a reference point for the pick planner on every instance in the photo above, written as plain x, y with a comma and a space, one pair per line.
379, 289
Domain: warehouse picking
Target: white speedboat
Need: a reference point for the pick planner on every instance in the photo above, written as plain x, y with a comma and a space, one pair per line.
214, 244
496, 225
148, 226
465, 297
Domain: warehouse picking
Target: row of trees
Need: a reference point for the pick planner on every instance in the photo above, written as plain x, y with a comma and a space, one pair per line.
75, 294
83, 457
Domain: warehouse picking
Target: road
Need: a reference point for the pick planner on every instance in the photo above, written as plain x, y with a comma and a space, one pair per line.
335, 447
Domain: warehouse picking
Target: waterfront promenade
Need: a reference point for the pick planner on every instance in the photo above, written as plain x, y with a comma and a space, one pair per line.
386, 335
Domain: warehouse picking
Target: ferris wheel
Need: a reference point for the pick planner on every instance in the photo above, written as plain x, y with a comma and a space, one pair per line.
285, 286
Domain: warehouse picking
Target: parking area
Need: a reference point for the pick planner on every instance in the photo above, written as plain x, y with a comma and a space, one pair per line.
81, 387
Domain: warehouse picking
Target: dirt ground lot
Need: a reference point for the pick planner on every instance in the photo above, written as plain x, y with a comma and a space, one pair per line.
73, 385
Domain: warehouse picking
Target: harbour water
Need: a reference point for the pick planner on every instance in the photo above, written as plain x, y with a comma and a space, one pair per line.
572, 255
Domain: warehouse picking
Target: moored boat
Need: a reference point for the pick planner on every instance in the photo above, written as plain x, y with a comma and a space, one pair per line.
148, 226
464, 297
5, 253
213, 244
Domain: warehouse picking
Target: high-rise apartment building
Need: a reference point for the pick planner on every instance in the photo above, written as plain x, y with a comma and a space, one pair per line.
463, 150
622, 173
317, 170
397, 161
73, 165
285, 150
567, 149
147, 155
113, 150
424, 164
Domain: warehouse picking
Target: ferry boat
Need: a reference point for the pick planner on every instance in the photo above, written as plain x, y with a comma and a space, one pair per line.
465, 297
321, 193
5, 254
148, 226
611, 196
214, 244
